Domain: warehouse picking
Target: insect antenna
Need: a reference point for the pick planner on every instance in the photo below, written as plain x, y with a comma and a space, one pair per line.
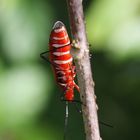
66, 120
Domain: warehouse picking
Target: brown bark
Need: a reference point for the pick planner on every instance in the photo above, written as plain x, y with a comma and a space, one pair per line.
83, 68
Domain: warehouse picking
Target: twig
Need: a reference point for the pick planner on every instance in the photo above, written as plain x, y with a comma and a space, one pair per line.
83, 69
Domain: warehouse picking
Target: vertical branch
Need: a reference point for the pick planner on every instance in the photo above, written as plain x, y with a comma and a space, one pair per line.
83, 69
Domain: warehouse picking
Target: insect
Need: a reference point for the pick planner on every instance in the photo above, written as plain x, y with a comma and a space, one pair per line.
62, 60
62, 63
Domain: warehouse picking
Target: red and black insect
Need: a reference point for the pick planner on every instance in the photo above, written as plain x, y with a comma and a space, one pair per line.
61, 60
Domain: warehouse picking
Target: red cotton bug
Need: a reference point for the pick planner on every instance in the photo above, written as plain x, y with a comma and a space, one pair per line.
62, 63
61, 60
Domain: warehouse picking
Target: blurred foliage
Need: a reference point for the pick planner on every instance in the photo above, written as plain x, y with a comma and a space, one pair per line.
116, 25
30, 107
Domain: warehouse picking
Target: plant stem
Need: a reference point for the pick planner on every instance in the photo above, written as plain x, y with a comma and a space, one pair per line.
83, 69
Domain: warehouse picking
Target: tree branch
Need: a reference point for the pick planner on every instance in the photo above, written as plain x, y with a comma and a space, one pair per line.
83, 69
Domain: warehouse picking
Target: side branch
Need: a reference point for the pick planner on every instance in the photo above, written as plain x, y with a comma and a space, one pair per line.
83, 69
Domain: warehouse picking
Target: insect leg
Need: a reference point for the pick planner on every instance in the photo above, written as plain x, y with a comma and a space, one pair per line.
105, 124
73, 101
44, 57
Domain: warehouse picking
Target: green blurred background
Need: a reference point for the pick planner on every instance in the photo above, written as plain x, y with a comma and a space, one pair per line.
30, 107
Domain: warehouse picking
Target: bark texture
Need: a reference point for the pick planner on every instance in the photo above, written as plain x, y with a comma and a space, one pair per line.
83, 68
